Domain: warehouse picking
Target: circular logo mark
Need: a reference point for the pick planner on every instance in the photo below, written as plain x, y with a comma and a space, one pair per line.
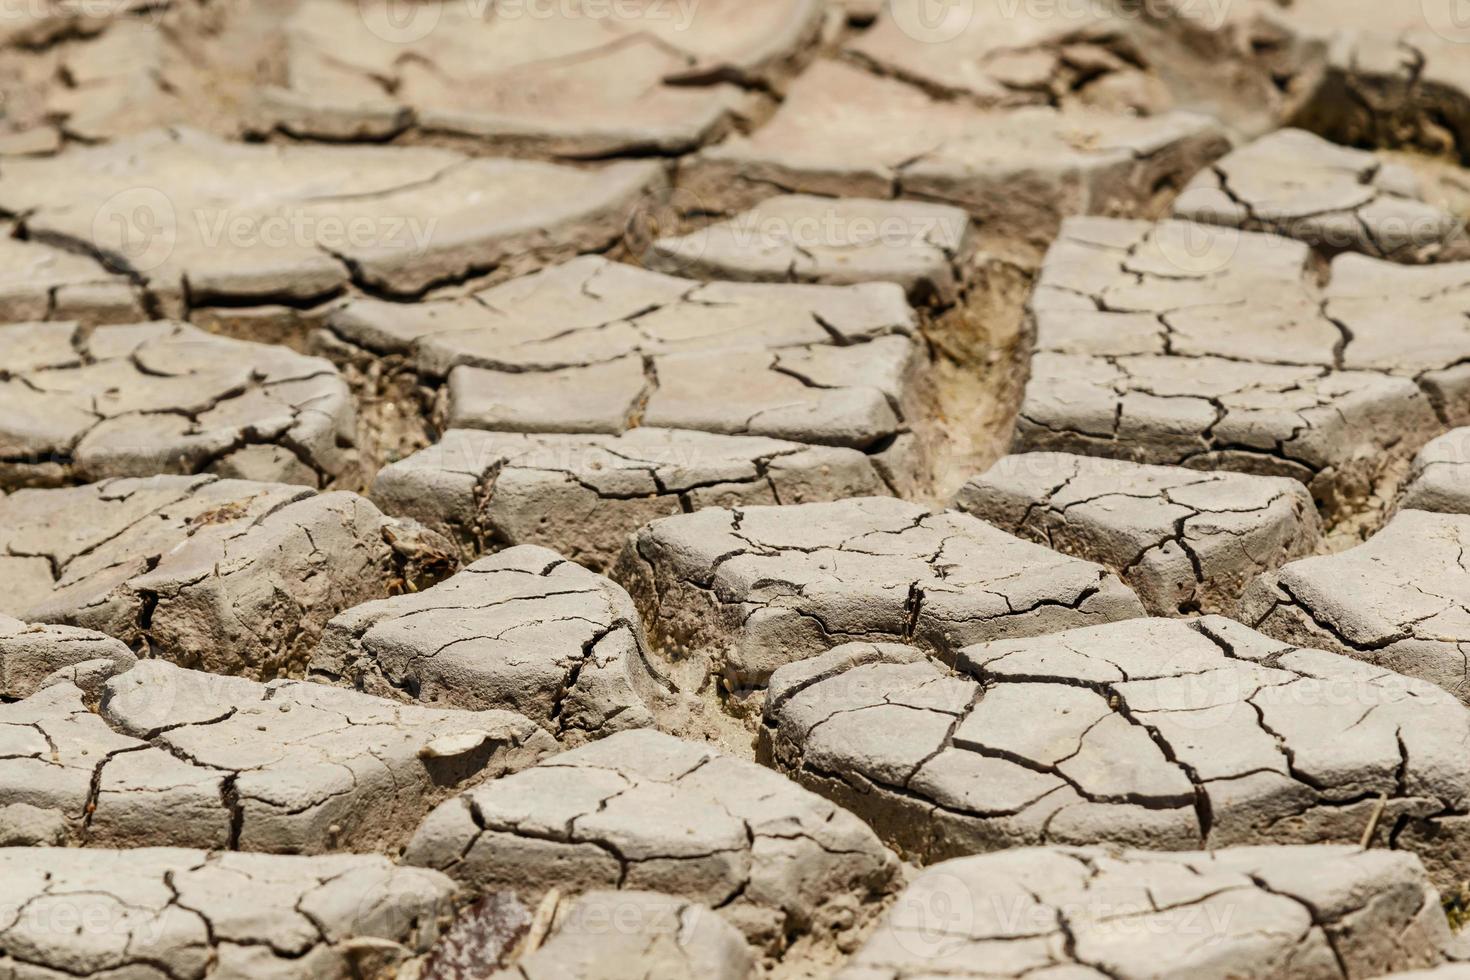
400, 21
1450, 19
932, 21
138, 227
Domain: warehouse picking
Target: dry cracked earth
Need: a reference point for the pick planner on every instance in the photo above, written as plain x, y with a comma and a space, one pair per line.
686, 489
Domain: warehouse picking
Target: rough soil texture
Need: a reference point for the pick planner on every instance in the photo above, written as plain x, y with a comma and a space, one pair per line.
1185, 541
1213, 348
175, 912
149, 398
1148, 733
524, 631
761, 489
1335, 199
736, 594
643, 810
1399, 601
582, 495
1086, 912
183, 758
232, 576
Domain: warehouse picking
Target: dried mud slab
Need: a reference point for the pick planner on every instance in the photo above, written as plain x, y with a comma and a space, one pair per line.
154, 398
593, 346
1400, 601
39, 282
838, 241
198, 221
184, 758
525, 631
1152, 733
1187, 344
582, 495
1184, 540
573, 79
1335, 199
31, 653
1387, 74
230, 576
1440, 478
738, 593
179, 913
844, 132
89, 72
636, 935
1246, 912
641, 810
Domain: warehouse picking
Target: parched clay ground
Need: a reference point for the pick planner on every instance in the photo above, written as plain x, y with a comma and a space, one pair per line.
1146, 733
736, 489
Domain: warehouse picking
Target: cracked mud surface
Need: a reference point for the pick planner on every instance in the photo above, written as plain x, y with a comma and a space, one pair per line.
1335, 199
1384, 74
176, 913
30, 654
801, 238
1184, 540
669, 938
182, 758
646, 811
903, 144
1440, 478
595, 346
1400, 601
1249, 912
1331, 385
582, 495
230, 576
149, 398
738, 593
195, 220
1149, 733
525, 631
577, 80
726, 301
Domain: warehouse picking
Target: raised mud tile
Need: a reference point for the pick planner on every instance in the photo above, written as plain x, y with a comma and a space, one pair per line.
1249, 913
1184, 540
597, 346
1400, 601
636, 935
1153, 733
1335, 199
1440, 479
525, 630
847, 133
646, 811
163, 397
800, 238
175, 756
30, 654
583, 495
1384, 74
739, 593
1188, 344
38, 282
1000, 56
1412, 322
568, 80
174, 912
230, 576
216, 222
